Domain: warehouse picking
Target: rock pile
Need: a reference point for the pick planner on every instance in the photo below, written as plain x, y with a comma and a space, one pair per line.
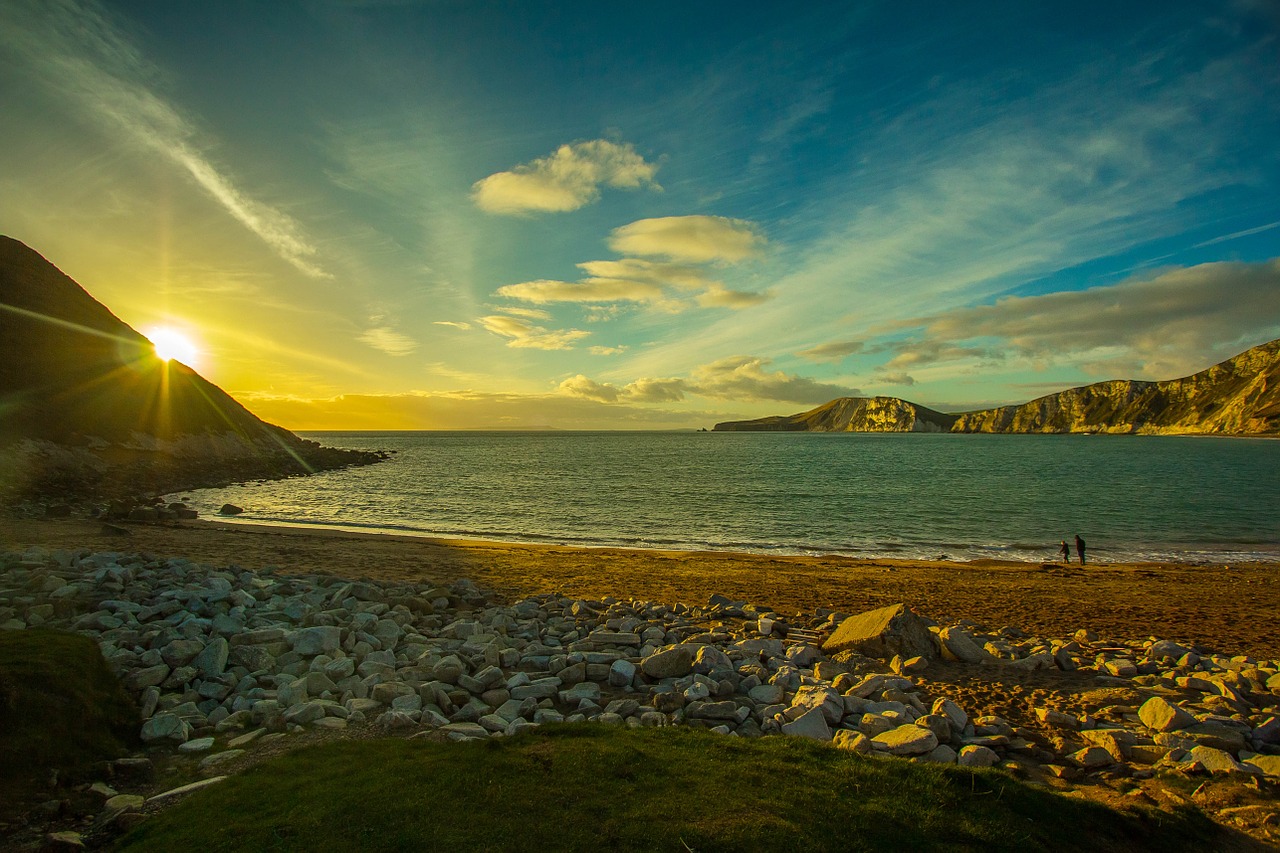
220, 659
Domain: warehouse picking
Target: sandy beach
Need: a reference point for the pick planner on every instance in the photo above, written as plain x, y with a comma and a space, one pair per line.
1227, 608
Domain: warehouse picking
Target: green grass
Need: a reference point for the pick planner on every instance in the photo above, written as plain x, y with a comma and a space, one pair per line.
60, 707
591, 787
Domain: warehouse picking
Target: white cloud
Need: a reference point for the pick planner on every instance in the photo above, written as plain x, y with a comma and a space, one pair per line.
589, 389
607, 350
527, 313
522, 334
388, 340
653, 390
456, 325
955, 201
75, 50
834, 351
663, 285
567, 179
640, 391
546, 291
718, 296
1164, 325
739, 378
700, 239
746, 378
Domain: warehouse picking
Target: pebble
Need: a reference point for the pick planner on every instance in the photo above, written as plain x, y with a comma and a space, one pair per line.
223, 651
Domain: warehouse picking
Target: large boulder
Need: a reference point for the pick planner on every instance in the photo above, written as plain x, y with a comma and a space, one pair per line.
320, 639
906, 740
675, 662
883, 633
1159, 715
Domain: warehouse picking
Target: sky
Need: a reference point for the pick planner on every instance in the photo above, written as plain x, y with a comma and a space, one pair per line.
455, 215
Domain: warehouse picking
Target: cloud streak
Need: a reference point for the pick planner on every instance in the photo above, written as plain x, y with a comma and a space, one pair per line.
739, 378
697, 239
1164, 325
73, 48
388, 340
522, 334
567, 179
672, 285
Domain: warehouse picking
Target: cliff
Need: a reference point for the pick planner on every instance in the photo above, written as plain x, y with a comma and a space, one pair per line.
1240, 396
86, 406
851, 414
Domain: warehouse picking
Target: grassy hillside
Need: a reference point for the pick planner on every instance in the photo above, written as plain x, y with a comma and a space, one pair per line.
60, 707
592, 787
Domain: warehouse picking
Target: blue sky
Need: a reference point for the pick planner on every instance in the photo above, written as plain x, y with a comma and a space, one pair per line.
460, 214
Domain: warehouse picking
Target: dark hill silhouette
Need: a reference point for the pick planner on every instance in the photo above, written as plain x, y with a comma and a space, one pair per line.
75, 375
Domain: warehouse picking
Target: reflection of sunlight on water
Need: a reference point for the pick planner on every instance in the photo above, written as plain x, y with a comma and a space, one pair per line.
898, 497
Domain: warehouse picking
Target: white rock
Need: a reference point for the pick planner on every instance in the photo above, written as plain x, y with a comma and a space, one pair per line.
621, 673
811, 724
906, 740
166, 726
1216, 761
977, 756
823, 698
320, 639
1160, 715
202, 744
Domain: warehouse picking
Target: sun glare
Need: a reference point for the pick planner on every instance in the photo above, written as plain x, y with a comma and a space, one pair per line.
172, 345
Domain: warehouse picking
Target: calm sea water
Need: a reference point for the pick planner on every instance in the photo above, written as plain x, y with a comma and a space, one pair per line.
902, 495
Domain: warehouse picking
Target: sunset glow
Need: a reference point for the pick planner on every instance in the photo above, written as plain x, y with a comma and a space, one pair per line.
458, 215
172, 345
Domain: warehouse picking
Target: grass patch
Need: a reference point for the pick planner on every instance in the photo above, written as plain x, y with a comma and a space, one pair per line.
592, 787
60, 707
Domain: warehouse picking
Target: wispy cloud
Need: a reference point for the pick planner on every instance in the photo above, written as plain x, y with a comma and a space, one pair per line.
452, 324
670, 286
833, 351
1248, 232
699, 239
599, 350
545, 291
1160, 326
522, 334
526, 313
740, 378
956, 202
388, 340
567, 179
72, 47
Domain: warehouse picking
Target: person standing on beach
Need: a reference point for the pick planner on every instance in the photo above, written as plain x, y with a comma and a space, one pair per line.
1079, 548
1065, 551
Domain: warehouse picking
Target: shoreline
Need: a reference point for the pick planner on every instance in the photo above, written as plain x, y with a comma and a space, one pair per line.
1034, 555
1227, 608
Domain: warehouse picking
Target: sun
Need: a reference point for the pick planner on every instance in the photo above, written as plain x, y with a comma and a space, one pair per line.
172, 345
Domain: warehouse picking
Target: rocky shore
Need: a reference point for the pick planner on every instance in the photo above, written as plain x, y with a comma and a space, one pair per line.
224, 661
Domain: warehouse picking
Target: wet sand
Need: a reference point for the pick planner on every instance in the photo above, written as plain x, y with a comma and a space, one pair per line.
1227, 608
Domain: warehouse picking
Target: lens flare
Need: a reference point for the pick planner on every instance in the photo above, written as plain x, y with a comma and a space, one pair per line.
172, 345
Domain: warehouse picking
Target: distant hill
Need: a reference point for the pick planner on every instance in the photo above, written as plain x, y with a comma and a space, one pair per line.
851, 414
91, 405
1240, 396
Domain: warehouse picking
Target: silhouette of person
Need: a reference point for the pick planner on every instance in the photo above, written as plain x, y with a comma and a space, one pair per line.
1079, 548
1066, 552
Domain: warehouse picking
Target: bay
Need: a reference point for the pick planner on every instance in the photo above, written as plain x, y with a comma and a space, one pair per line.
868, 495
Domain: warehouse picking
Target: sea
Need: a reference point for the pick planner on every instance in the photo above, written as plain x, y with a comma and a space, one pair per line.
900, 495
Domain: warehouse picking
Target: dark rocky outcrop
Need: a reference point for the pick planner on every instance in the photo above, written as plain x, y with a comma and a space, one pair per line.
1240, 396
87, 408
